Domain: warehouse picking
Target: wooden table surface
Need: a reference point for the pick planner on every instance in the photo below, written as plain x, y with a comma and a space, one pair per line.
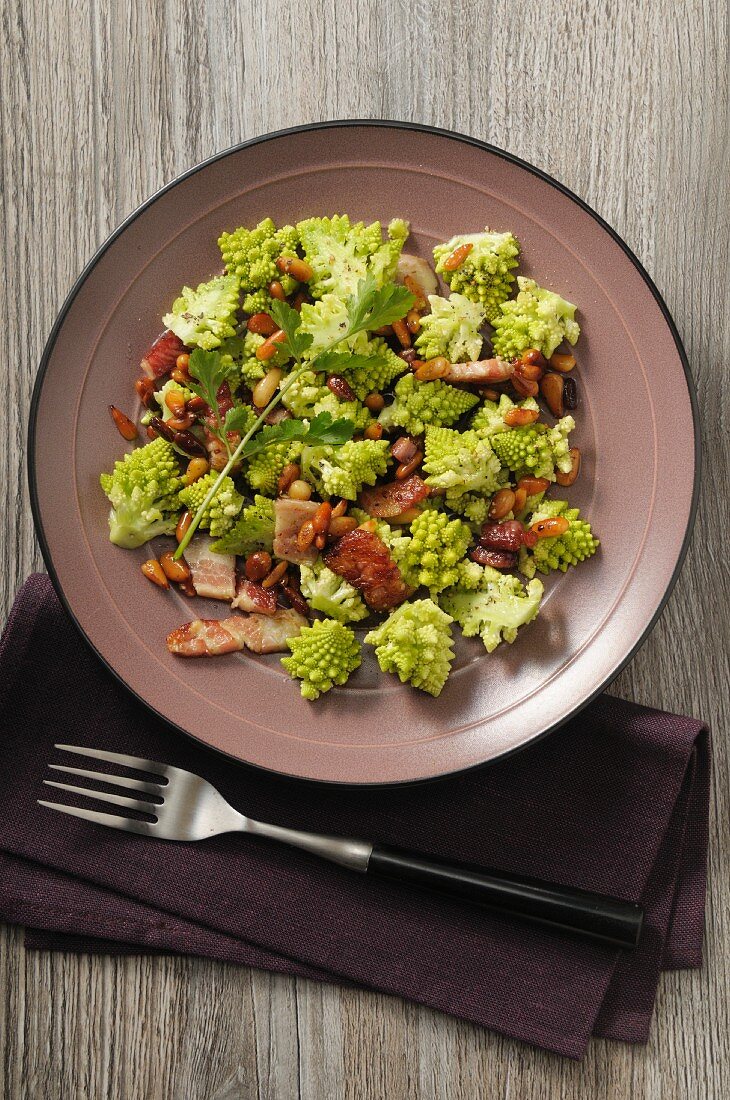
625, 102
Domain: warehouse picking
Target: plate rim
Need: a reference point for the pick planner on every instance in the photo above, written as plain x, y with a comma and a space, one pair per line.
453, 135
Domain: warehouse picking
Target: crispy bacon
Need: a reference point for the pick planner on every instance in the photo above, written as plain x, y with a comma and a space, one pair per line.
216, 637
213, 575
268, 633
364, 560
480, 373
252, 597
162, 355
289, 515
386, 501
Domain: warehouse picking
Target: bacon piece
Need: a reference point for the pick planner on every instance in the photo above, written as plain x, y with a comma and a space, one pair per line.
252, 597
216, 637
289, 515
203, 638
213, 575
364, 560
268, 633
162, 355
480, 373
386, 501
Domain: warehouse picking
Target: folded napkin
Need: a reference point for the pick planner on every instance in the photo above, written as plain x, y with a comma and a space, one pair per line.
616, 802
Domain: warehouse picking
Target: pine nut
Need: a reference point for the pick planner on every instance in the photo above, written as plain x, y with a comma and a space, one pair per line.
406, 468
374, 402
306, 536
298, 269
562, 362
489, 394
153, 572
276, 290
179, 376
197, 467
517, 418
550, 528
525, 387
533, 372
183, 363
300, 490
413, 321
520, 500
551, 389
432, 369
145, 388
182, 526
177, 571
187, 588
400, 328
287, 477
126, 427
533, 485
502, 504
373, 431
264, 390
261, 323
268, 349
340, 525
417, 291
321, 518
569, 478
276, 574
457, 257
258, 565
320, 541
180, 424
339, 509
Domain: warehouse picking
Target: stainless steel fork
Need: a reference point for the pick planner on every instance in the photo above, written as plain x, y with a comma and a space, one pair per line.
182, 806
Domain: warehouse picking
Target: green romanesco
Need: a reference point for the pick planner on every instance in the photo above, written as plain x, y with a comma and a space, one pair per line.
325, 591
378, 372
143, 490
251, 254
343, 471
251, 370
355, 411
220, 514
326, 321
536, 318
535, 449
342, 254
418, 404
264, 468
485, 276
322, 655
415, 642
252, 530
577, 544
489, 417
432, 553
204, 317
493, 606
451, 329
302, 394
460, 463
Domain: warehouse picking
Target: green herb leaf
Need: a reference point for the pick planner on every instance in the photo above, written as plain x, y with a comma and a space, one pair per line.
239, 418
322, 431
373, 307
289, 321
340, 362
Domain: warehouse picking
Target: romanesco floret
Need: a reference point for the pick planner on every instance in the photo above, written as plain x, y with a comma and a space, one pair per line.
460, 463
535, 449
577, 544
417, 404
204, 317
342, 254
143, 490
263, 469
342, 471
415, 642
489, 417
536, 318
376, 375
451, 329
485, 276
432, 553
325, 591
355, 411
251, 254
301, 395
219, 516
326, 321
494, 608
322, 655
253, 530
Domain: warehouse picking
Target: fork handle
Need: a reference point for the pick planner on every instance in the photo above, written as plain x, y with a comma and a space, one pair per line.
606, 919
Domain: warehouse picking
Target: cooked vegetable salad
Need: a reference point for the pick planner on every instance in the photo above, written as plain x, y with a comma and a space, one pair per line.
332, 441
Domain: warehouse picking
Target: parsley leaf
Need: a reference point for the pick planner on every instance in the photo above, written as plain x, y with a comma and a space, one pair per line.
340, 362
321, 431
372, 308
289, 321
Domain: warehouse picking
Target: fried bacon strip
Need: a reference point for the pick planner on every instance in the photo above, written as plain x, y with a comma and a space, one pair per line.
386, 501
480, 373
364, 560
160, 359
215, 637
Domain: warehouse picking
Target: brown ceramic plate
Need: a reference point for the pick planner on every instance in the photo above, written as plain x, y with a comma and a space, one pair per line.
636, 429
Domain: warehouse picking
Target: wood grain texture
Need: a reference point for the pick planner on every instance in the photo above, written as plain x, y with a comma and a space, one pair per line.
627, 103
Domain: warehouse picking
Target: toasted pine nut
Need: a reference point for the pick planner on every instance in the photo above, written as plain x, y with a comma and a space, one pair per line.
417, 291
153, 572
183, 362
306, 535
400, 328
340, 525
196, 468
407, 468
150, 432
179, 376
489, 394
276, 290
180, 424
413, 321
562, 362
368, 525
268, 349
502, 504
516, 417
533, 372
261, 323
384, 330
551, 389
264, 390
520, 500
339, 509
432, 368
300, 490
534, 357
569, 478
321, 518
182, 526
187, 588
551, 527
126, 427
177, 571
525, 387
457, 257
320, 541
373, 431
258, 565
276, 574
298, 269
287, 477
196, 404
145, 388
374, 402
533, 485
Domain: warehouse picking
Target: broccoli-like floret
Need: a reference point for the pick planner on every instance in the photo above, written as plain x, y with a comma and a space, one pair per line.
535, 449
143, 490
493, 606
485, 276
577, 544
489, 417
264, 468
451, 329
376, 375
253, 530
204, 317
220, 514
342, 254
326, 321
417, 404
301, 395
432, 553
325, 591
460, 463
251, 254
536, 318
355, 411
171, 386
415, 642
342, 471
322, 655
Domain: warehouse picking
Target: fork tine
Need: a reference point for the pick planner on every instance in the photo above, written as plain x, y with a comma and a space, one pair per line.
137, 762
115, 780
117, 799
125, 823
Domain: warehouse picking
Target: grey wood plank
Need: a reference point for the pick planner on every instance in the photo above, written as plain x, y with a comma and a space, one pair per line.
101, 102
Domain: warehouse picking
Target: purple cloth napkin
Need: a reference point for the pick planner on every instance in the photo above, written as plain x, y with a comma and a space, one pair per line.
616, 801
